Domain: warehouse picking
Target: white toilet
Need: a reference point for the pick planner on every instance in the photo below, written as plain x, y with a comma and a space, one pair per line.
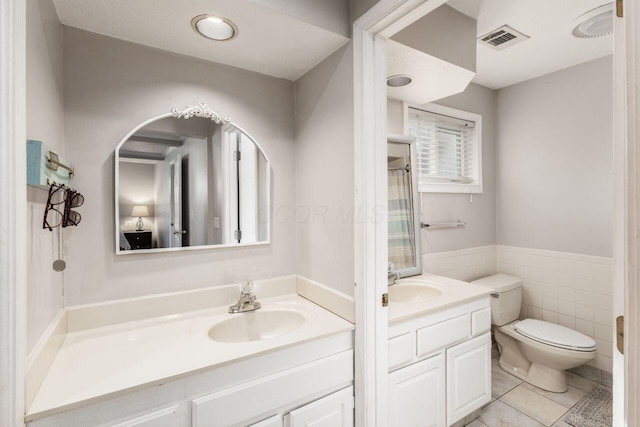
535, 351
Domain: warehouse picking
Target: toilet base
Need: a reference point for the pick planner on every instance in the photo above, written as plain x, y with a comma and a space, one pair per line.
540, 376
514, 362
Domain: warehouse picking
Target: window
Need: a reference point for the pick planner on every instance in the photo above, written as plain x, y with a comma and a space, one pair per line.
449, 146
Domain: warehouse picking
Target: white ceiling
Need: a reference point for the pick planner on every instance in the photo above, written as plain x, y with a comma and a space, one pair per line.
269, 42
551, 47
433, 78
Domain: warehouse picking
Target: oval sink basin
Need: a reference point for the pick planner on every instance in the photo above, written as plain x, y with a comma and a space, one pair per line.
256, 325
412, 293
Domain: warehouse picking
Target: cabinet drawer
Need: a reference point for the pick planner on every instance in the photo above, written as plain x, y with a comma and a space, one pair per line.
400, 350
481, 321
264, 396
275, 421
163, 418
440, 335
139, 240
335, 410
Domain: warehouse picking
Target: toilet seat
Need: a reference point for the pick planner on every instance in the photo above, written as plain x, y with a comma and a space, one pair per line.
554, 335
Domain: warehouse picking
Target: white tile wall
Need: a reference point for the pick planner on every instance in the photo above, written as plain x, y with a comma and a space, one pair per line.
465, 264
572, 290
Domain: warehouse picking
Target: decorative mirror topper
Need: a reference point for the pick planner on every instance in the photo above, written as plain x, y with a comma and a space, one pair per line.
189, 184
201, 110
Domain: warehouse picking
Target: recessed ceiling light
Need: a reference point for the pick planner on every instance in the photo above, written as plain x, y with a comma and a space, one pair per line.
214, 27
595, 23
399, 80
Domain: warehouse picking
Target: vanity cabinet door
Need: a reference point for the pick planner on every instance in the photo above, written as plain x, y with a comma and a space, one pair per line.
417, 394
335, 410
468, 377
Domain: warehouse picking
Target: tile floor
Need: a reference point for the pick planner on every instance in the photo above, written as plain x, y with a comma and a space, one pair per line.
519, 404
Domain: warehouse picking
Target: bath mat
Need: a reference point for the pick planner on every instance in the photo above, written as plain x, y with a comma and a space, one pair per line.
593, 410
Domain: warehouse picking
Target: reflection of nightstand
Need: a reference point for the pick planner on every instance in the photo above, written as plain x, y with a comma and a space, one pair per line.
139, 239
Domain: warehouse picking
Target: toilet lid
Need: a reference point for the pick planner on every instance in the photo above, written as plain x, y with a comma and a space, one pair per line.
556, 335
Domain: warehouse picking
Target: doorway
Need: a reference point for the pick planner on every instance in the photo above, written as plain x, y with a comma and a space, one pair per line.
185, 207
371, 33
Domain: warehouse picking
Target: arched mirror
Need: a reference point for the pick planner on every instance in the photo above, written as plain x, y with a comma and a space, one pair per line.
190, 179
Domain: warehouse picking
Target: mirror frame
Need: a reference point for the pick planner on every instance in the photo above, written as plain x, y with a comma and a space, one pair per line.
203, 111
417, 223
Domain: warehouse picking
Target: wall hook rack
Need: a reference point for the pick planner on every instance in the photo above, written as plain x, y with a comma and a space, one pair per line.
45, 167
53, 163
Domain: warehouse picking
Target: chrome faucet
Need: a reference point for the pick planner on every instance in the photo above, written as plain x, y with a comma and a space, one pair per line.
392, 275
247, 301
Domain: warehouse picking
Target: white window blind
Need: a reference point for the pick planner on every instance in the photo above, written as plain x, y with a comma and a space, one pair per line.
448, 150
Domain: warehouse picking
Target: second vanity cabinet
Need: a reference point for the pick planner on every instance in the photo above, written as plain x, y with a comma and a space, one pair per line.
440, 365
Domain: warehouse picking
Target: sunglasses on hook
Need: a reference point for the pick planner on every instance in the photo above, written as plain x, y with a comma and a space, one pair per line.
65, 217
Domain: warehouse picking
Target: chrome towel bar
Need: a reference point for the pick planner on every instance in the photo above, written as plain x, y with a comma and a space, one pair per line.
438, 225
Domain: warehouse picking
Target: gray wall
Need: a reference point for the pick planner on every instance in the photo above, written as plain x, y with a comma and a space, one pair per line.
458, 46
110, 87
45, 122
324, 172
137, 187
359, 7
480, 215
332, 15
555, 161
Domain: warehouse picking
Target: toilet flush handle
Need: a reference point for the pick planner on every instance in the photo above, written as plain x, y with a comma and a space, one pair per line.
495, 295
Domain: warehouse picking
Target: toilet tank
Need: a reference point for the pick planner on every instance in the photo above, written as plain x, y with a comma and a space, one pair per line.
506, 300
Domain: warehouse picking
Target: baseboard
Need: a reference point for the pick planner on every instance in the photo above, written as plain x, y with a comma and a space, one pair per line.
336, 302
43, 354
592, 373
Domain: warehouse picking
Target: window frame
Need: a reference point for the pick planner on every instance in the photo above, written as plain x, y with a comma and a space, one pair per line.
452, 187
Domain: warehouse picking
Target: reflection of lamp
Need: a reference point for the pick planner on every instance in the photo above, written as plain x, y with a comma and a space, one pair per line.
140, 211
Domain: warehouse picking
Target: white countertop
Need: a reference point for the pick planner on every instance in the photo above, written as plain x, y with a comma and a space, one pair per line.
452, 292
109, 360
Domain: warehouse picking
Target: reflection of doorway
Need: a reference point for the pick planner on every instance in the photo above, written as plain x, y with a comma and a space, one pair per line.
175, 177
240, 174
186, 212
172, 174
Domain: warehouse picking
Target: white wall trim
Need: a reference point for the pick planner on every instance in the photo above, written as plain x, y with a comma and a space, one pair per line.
43, 354
619, 211
96, 315
336, 302
13, 227
370, 33
627, 57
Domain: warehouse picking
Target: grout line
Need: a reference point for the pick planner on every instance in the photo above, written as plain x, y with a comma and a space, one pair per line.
529, 416
517, 410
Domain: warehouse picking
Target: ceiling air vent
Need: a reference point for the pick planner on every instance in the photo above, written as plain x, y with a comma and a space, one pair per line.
502, 37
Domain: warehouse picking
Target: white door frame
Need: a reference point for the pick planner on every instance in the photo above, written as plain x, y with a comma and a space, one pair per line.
370, 33
620, 214
627, 213
13, 226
